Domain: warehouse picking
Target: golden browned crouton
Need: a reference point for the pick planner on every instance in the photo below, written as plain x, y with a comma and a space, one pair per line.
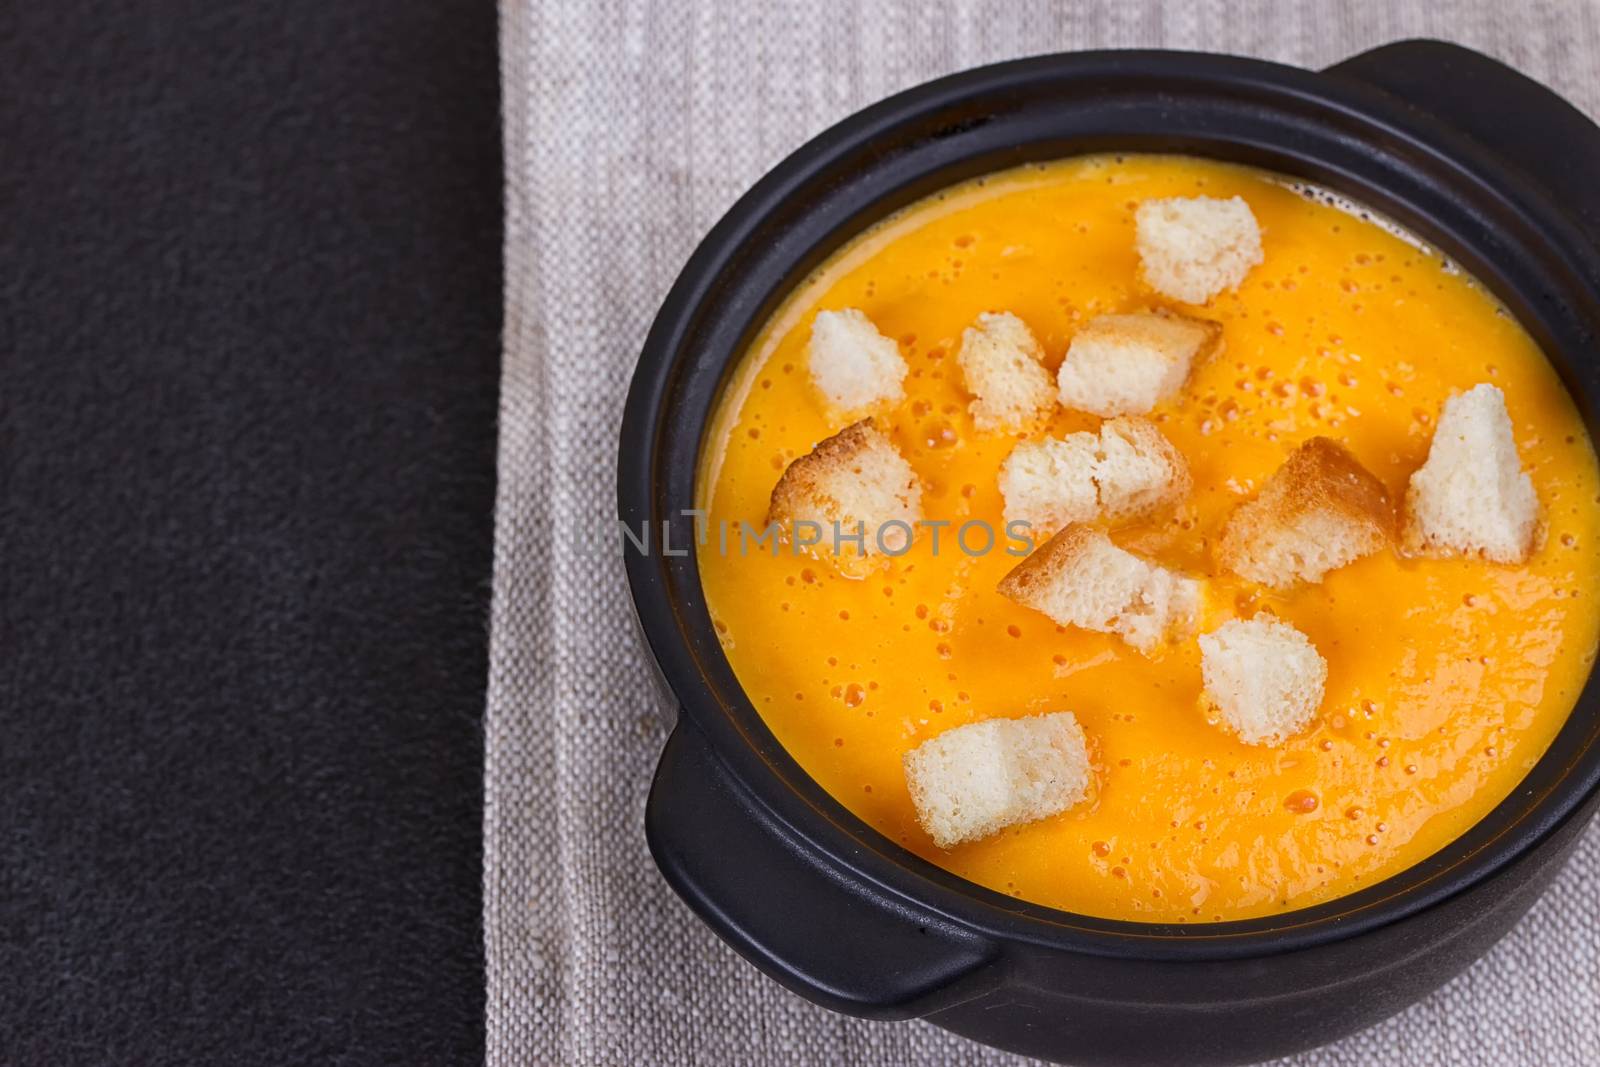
1079, 578
858, 479
1319, 511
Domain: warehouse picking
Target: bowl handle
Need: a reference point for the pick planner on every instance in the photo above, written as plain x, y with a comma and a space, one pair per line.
1527, 124
846, 945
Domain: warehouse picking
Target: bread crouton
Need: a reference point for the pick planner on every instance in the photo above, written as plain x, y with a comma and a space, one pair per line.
1004, 368
853, 365
1263, 678
1194, 248
1319, 511
1048, 482
1079, 578
1126, 470
1138, 470
1127, 364
1472, 496
977, 779
858, 479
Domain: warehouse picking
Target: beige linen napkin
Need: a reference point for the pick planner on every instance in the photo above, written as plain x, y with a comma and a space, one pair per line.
629, 128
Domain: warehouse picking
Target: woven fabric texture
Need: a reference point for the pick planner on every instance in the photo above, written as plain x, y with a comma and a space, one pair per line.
629, 129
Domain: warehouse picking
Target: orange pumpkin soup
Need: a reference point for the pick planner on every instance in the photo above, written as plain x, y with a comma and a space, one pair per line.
1447, 679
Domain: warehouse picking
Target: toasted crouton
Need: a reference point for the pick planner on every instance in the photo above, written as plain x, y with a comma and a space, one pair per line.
853, 365
1126, 470
1138, 470
1079, 578
1127, 364
1048, 482
1004, 368
1319, 511
1192, 249
974, 780
1263, 678
1471, 496
857, 479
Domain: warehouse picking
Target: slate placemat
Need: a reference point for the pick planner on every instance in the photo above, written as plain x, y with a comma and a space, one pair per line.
249, 359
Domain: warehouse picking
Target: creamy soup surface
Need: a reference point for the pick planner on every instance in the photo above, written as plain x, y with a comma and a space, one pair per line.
1447, 679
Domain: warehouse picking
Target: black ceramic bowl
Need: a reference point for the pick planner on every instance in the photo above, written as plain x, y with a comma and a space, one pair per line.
1492, 168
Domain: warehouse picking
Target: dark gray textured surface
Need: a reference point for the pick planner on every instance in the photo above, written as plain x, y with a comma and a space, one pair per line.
250, 300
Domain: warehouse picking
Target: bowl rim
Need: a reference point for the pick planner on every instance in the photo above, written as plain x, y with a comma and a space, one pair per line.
670, 605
